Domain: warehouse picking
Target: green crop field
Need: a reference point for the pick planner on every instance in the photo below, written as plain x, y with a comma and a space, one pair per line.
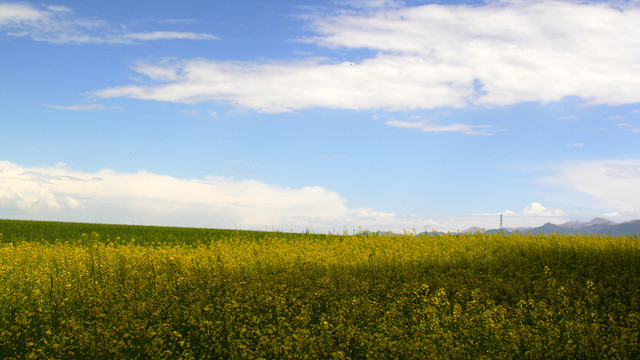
91, 291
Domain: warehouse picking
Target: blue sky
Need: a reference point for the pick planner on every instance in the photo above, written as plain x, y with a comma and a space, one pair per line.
319, 115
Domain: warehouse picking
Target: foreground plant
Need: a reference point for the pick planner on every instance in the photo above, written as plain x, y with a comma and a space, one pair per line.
178, 294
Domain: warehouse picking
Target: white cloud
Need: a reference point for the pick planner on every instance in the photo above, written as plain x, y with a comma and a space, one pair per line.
394, 83
372, 4
59, 24
536, 209
629, 127
430, 126
493, 54
167, 35
87, 107
19, 13
518, 50
58, 193
612, 184
575, 145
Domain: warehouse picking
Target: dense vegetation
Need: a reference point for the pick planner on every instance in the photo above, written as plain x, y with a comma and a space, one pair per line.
78, 291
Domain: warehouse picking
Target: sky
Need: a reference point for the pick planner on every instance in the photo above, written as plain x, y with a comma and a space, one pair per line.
322, 116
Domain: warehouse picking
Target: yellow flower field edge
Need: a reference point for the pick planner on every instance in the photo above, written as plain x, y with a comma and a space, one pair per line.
126, 292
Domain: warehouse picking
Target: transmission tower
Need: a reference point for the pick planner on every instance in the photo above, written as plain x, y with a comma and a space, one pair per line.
500, 221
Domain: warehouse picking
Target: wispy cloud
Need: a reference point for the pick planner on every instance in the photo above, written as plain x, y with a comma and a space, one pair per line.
431, 126
167, 21
330, 157
276, 87
575, 145
60, 25
168, 35
612, 184
22, 13
493, 54
88, 107
629, 127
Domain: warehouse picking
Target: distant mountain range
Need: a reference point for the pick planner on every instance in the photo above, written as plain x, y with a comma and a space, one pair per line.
595, 226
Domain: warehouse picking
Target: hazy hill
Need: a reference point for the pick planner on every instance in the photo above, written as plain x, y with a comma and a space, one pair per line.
595, 226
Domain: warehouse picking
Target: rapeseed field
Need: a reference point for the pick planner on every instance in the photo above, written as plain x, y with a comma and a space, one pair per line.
93, 291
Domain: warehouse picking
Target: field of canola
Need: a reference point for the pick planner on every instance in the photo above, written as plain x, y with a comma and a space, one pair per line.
91, 291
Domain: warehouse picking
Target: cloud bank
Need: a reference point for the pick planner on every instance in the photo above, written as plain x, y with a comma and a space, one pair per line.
59, 25
58, 193
494, 54
106, 196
